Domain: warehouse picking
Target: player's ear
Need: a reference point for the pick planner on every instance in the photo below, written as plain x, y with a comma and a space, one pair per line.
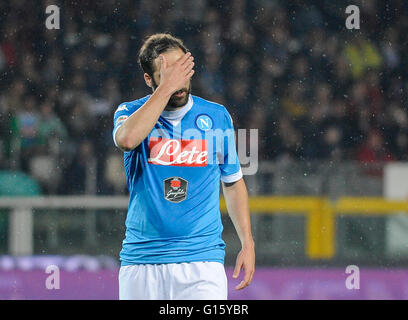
148, 80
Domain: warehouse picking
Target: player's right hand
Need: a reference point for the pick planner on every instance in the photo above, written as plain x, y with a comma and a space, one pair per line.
176, 76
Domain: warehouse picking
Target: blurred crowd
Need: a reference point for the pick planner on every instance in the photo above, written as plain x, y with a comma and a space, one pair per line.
313, 88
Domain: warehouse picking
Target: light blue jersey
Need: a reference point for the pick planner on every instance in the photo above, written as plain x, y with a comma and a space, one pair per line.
173, 178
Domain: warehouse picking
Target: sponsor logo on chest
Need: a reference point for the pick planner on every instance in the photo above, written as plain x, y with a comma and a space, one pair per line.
174, 152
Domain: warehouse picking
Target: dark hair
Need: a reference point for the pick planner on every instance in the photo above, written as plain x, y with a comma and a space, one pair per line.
154, 46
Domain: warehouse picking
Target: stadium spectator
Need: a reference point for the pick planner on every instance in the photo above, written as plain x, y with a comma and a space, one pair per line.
319, 91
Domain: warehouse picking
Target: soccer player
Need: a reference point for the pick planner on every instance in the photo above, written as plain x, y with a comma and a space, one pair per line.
173, 247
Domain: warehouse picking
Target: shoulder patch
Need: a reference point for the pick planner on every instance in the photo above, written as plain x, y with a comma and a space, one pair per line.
121, 119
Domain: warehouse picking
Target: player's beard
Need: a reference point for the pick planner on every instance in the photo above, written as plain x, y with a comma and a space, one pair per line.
174, 101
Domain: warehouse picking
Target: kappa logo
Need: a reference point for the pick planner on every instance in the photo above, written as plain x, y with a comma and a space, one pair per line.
120, 108
175, 189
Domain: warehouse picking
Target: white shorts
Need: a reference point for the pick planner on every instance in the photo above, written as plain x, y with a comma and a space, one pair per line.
173, 281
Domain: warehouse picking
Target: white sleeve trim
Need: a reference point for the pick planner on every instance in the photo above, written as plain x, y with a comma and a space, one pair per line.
114, 133
232, 177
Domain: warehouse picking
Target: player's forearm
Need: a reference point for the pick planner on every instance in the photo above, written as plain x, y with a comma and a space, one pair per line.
136, 128
236, 198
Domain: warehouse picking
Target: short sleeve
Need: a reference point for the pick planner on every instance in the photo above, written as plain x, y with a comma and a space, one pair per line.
230, 168
121, 114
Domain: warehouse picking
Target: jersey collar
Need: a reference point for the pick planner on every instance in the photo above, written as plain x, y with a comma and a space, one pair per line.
177, 115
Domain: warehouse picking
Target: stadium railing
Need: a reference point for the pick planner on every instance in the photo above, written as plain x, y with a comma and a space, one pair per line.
320, 214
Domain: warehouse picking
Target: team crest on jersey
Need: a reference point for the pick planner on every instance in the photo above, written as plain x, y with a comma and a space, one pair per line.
204, 122
175, 189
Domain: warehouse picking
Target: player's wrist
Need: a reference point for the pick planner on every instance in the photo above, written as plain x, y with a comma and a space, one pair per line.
248, 243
